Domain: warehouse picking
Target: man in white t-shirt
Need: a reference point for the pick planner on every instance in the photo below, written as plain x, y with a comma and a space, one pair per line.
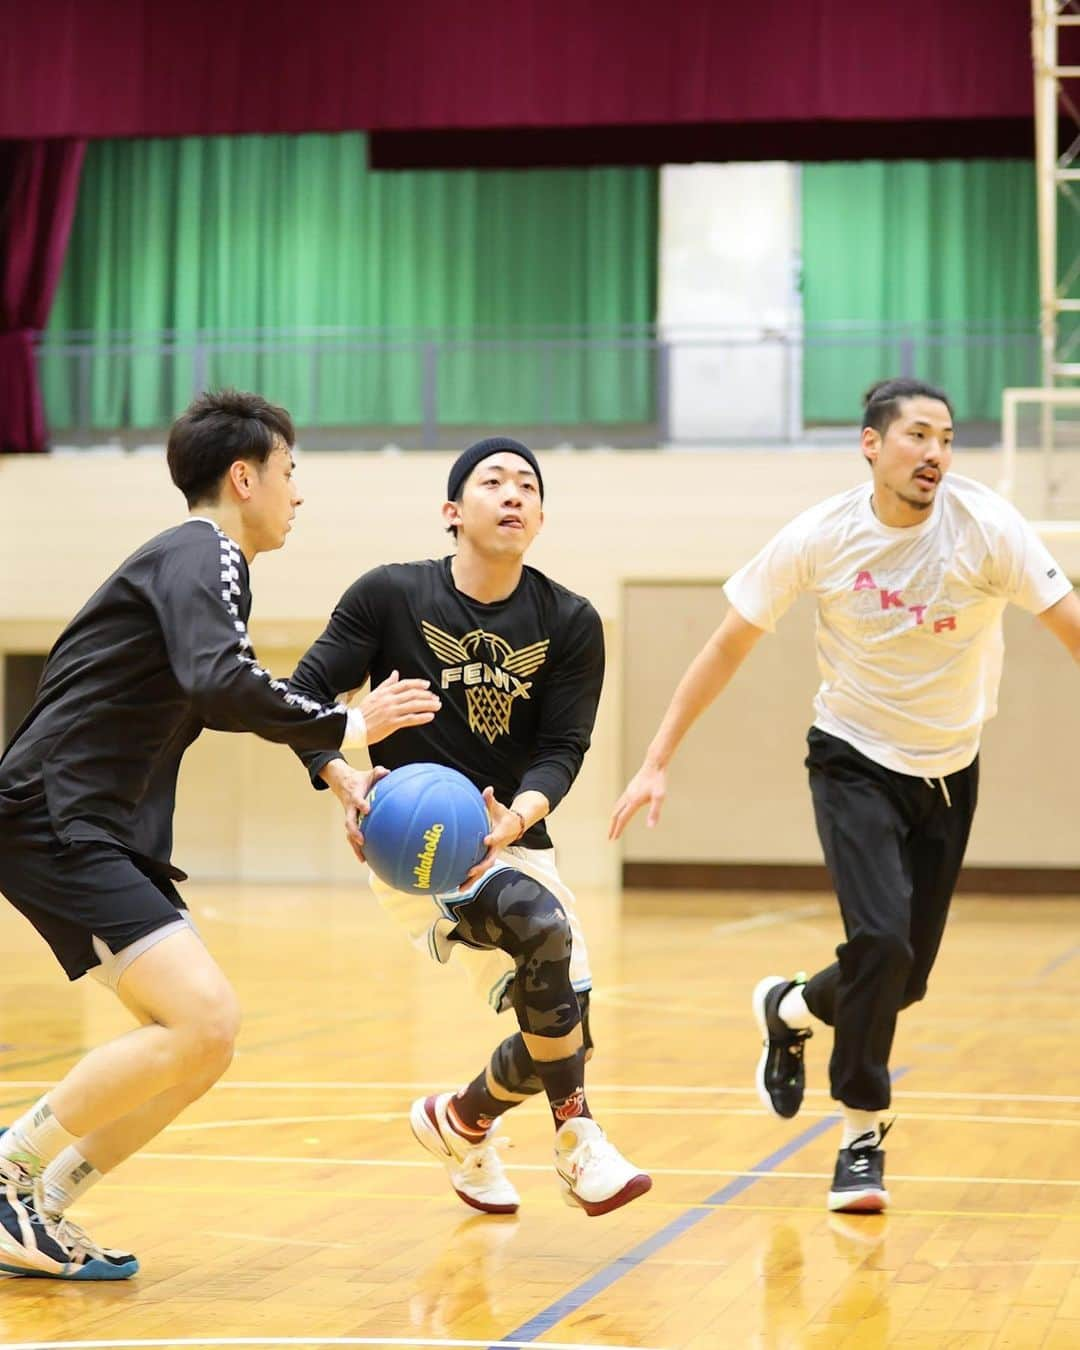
911, 578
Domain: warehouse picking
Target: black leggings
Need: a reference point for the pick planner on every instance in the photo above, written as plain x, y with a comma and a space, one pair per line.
894, 846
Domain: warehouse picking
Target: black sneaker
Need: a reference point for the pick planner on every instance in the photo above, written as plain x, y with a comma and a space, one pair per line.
859, 1180
781, 1074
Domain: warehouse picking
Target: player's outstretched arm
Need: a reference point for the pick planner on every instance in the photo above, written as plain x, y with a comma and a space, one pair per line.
1063, 620
340, 660
705, 678
398, 703
199, 592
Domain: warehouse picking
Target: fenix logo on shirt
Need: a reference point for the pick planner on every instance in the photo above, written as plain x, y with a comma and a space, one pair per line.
889, 598
491, 685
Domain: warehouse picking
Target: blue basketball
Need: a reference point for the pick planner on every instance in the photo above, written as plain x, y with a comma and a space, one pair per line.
425, 829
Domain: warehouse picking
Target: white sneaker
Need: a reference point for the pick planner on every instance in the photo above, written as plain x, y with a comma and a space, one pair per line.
593, 1172
475, 1170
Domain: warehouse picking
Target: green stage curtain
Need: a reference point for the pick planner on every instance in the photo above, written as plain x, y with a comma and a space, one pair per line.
477, 277
939, 252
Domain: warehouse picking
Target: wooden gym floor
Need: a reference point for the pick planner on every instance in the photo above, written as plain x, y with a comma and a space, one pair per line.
291, 1206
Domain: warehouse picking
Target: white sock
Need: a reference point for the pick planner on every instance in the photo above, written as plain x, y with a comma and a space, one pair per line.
66, 1178
859, 1124
793, 1010
35, 1139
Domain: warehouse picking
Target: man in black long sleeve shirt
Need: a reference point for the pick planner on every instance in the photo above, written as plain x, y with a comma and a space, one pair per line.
518, 662
87, 790
519, 677
155, 655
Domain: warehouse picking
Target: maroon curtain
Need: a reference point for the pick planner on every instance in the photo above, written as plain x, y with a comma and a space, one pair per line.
39, 182
148, 68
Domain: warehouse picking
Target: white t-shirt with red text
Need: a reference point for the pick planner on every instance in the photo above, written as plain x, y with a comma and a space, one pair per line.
909, 640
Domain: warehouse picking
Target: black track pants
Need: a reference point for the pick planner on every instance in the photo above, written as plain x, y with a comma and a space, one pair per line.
894, 846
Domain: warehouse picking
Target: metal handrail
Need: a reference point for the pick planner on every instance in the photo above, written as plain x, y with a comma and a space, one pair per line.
75, 359
886, 329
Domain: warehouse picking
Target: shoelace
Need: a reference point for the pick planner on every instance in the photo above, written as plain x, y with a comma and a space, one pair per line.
65, 1232
794, 1050
791, 1038
69, 1235
604, 1148
871, 1140
593, 1150
486, 1155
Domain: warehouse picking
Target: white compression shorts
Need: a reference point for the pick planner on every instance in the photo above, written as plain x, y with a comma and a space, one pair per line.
113, 964
429, 921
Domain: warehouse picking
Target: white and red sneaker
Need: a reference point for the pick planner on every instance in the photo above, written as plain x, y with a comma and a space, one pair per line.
594, 1174
475, 1170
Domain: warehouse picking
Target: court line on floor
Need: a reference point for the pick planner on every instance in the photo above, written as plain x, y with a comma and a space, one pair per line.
1011, 1215
772, 917
72, 1052
1060, 960
273, 1160
543, 1321
166, 1343
19, 1101
276, 1240
595, 1089
438, 1197
990, 1261
728, 1112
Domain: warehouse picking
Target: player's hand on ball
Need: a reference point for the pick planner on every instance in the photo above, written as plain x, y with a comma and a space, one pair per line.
647, 785
397, 703
351, 787
505, 830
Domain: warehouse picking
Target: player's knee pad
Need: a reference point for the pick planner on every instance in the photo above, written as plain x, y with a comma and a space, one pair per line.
512, 1068
523, 918
545, 1003
537, 924
519, 915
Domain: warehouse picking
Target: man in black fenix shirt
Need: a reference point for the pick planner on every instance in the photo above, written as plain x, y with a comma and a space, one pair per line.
87, 791
518, 663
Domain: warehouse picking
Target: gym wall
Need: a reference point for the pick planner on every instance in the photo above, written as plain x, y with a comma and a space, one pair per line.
649, 537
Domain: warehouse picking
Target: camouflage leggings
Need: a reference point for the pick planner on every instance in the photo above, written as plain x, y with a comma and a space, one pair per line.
518, 915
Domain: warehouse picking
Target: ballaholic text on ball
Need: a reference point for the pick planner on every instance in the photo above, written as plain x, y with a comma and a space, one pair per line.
425, 859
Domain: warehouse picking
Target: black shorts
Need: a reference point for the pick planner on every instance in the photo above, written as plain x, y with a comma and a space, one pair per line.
73, 893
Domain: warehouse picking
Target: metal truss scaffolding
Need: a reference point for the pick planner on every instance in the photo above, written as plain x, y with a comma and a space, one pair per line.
1057, 172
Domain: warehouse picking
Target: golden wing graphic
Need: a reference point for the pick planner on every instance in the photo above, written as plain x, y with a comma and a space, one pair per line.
527, 659
445, 647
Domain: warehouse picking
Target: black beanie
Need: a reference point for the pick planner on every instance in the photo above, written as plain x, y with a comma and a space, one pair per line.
470, 458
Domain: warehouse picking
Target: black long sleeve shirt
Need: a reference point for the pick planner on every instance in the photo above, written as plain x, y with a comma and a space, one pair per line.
159, 652
519, 679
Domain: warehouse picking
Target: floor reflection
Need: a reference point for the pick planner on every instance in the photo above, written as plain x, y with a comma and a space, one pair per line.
465, 1280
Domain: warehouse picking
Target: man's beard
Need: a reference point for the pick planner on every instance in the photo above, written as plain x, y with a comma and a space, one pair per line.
917, 503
